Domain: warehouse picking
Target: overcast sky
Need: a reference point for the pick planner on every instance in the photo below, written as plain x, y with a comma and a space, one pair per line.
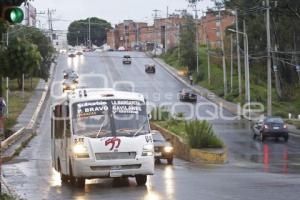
114, 11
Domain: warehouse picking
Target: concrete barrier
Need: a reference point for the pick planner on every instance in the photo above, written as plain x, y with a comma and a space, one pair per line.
183, 151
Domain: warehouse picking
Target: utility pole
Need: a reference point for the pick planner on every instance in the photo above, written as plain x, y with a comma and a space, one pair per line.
231, 64
208, 59
269, 101
197, 34
90, 42
245, 63
238, 53
155, 32
295, 58
275, 68
223, 52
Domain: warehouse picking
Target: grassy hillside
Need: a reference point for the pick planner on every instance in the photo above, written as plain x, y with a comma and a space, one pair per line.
257, 79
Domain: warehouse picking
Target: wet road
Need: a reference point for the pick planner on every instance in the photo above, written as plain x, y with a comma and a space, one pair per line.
255, 170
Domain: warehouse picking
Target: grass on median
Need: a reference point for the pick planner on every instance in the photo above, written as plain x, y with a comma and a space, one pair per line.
17, 101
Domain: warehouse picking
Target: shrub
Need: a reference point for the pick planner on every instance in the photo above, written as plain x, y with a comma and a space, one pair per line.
201, 135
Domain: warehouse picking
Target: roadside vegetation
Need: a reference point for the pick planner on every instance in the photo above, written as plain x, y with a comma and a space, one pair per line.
198, 134
4, 196
29, 52
281, 107
17, 101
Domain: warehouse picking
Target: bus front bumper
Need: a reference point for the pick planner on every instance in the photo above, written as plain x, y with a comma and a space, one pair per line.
91, 168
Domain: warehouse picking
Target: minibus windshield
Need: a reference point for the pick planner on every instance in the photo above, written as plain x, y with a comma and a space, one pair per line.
97, 119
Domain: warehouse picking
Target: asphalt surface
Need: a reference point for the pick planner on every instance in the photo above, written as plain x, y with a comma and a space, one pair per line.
269, 170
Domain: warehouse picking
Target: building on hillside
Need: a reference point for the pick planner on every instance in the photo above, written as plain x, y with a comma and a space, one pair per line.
126, 34
210, 24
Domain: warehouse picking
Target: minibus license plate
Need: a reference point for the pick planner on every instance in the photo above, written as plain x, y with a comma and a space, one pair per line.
115, 174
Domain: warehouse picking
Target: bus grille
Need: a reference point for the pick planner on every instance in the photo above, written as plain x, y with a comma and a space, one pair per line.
115, 155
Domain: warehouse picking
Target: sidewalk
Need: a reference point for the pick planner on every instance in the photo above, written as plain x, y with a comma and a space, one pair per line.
231, 107
25, 117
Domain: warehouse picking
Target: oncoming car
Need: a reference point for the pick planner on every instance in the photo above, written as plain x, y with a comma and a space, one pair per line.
69, 85
98, 133
163, 149
187, 95
150, 68
126, 59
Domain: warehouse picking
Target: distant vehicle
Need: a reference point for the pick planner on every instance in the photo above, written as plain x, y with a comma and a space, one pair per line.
110, 50
72, 54
69, 85
70, 73
150, 68
187, 95
79, 52
99, 133
63, 51
126, 59
270, 127
162, 148
121, 49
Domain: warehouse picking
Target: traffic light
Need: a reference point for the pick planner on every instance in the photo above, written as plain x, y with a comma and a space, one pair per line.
10, 11
12, 14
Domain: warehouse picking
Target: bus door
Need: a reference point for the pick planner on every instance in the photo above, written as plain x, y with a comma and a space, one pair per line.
59, 142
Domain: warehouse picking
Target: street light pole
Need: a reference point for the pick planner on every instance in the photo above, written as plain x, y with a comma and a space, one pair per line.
238, 53
269, 107
223, 54
247, 71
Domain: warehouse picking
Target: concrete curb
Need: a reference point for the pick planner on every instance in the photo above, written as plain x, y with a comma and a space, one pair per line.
6, 143
211, 156
29, 129
183, 151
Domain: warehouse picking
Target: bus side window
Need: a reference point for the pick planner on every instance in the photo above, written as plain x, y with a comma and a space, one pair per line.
58, 122
66, 115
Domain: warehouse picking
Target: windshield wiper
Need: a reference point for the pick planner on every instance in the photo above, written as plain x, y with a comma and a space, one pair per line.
98, 133
141, 128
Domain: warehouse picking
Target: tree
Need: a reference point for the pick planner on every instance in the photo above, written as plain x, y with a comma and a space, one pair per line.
44, 46
78, 31
188, 44
285, 26
23, 58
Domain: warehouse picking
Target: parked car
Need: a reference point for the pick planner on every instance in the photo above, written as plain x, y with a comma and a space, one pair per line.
150, 68
163, 149
126, 59
187, 95
270, 127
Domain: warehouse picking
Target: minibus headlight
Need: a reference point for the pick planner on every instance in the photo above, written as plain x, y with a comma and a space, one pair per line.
148, 150
80, 151
168, 149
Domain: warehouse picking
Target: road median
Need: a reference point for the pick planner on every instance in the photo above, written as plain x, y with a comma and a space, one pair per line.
183, 151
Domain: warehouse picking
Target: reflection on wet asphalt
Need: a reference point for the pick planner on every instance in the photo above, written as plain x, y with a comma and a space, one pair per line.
256, 170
